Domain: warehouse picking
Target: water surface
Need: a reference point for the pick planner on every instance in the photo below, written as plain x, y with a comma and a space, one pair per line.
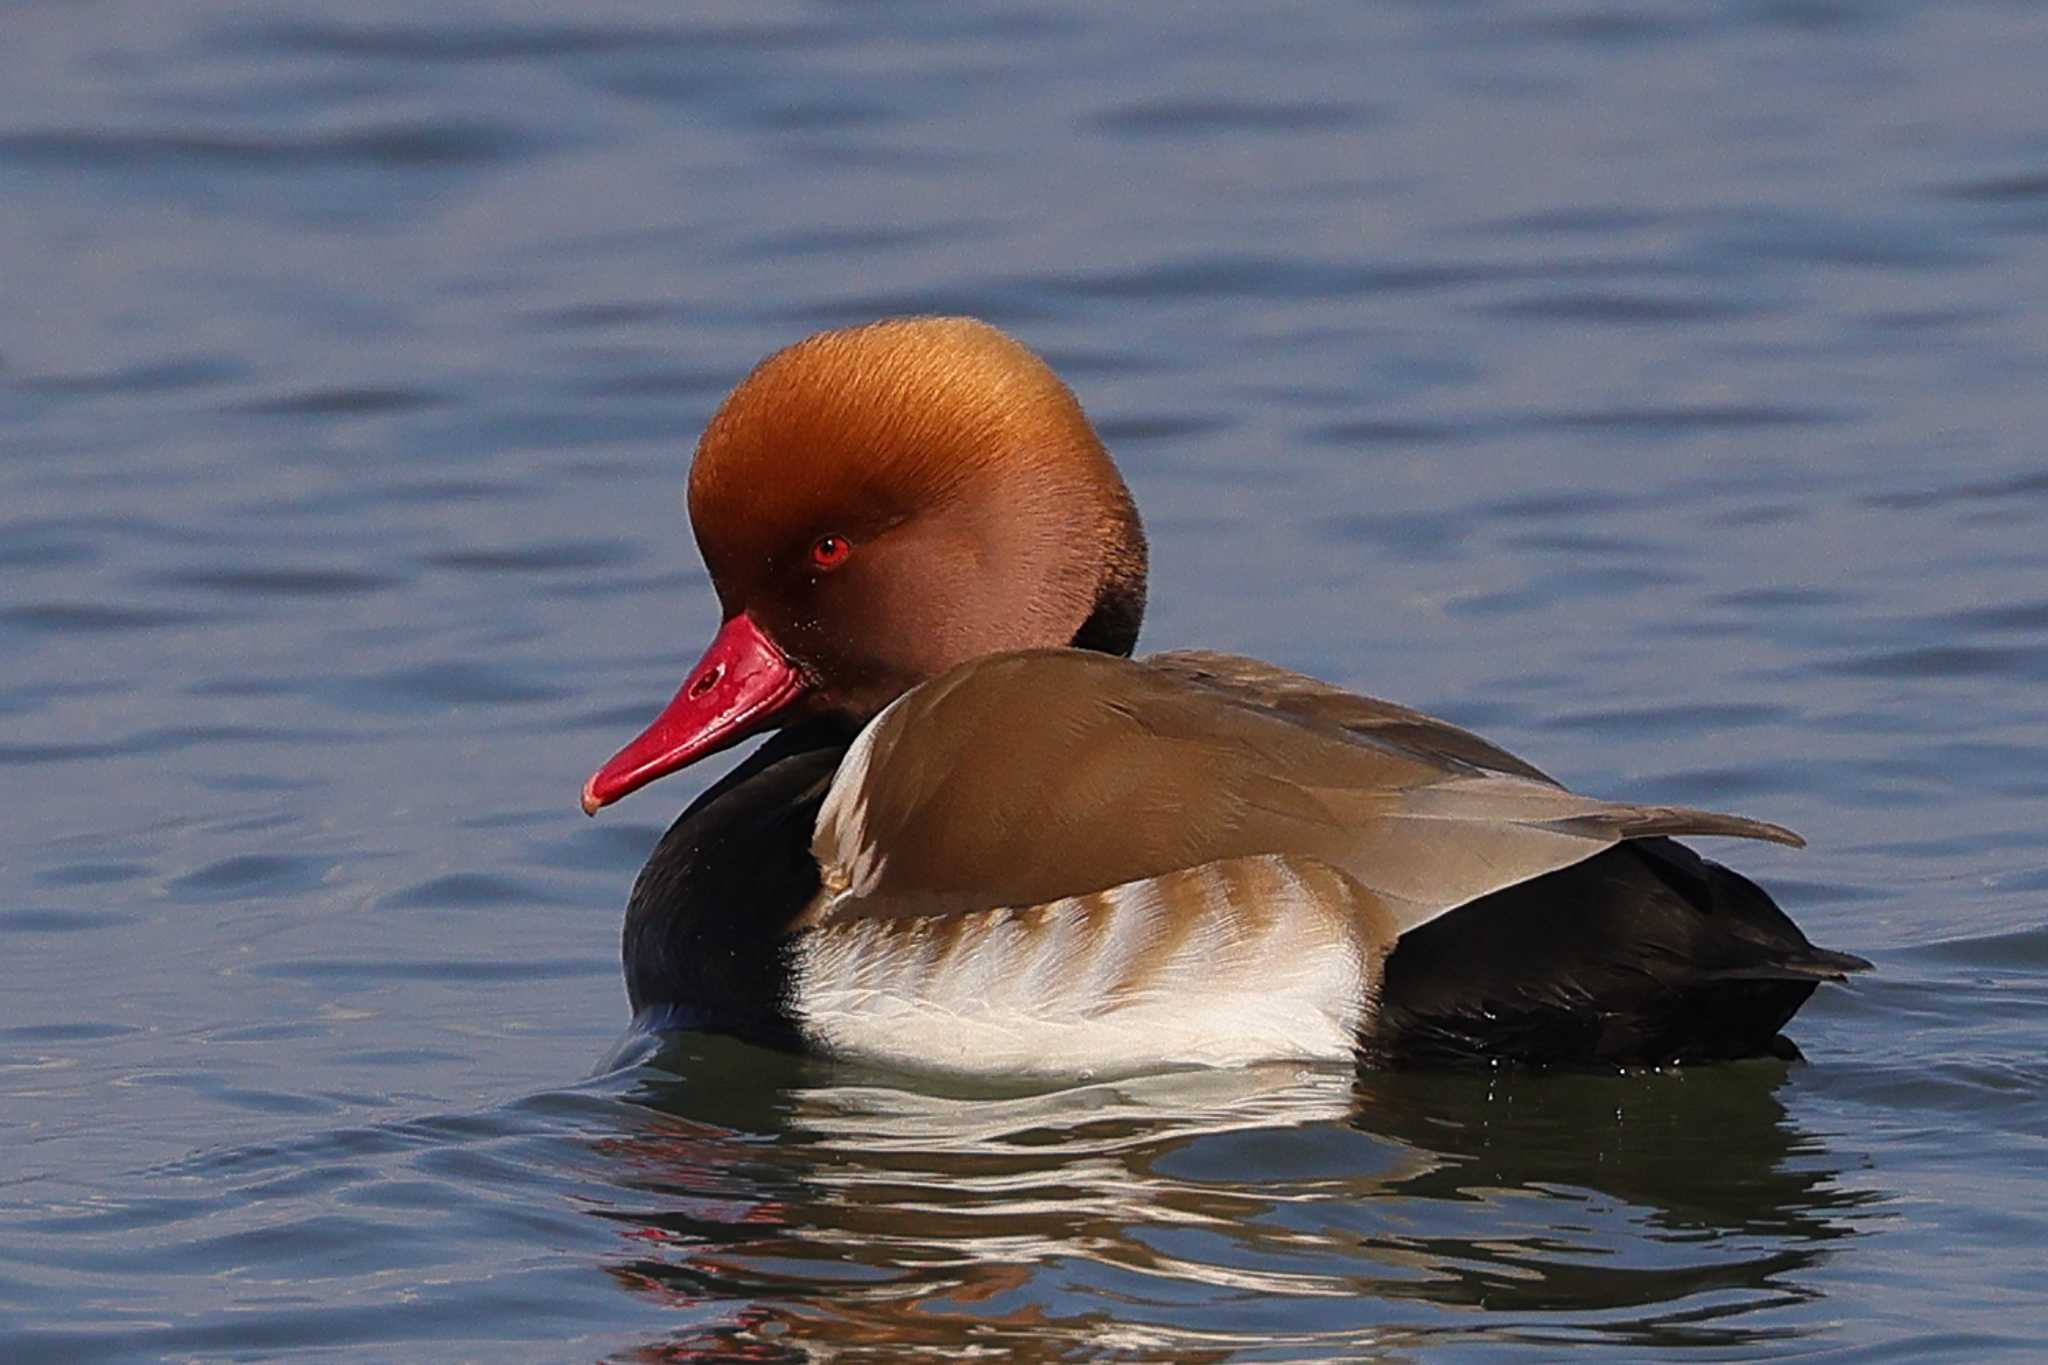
1656, 388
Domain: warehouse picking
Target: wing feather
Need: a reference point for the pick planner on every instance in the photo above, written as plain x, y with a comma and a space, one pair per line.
1023, 778
1230, 962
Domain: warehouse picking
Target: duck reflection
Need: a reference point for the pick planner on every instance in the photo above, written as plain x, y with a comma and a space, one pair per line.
790, 1209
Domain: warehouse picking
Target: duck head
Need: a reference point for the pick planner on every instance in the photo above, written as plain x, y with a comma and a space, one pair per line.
876, 505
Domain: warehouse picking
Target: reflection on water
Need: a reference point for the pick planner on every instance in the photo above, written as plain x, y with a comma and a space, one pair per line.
1196, 1216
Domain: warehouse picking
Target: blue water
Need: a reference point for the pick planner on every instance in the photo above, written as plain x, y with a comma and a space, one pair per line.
1657, 388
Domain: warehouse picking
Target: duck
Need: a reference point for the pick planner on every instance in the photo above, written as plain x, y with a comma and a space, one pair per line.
983, 836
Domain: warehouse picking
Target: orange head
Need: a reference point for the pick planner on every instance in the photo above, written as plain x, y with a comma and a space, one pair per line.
876, 505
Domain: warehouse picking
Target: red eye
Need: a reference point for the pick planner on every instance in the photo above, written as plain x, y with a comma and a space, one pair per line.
830, 552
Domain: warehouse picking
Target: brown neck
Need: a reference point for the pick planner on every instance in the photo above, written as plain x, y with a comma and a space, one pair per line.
1112, 625
1112, 628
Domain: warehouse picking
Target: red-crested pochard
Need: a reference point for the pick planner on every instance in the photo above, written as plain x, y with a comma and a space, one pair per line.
988, 840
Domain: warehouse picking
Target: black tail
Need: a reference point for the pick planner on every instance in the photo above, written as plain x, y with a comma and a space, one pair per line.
1816, 964
1644, 955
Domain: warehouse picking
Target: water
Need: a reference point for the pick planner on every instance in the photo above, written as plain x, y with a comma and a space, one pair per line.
1656, 388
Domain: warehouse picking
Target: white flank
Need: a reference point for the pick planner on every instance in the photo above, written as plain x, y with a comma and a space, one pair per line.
1166, 972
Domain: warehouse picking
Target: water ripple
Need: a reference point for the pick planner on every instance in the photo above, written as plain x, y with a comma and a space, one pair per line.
344, 402
276, 581
410, 145
1175, 117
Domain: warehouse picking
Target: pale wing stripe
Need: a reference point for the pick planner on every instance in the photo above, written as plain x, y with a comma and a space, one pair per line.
848, 858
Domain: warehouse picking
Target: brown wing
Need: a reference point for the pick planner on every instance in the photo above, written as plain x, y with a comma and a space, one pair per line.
1313, 702
1024, 778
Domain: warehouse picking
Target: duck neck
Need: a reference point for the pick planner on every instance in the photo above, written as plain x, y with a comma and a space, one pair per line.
1112, 627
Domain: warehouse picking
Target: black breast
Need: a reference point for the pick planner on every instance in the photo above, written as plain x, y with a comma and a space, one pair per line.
707, 925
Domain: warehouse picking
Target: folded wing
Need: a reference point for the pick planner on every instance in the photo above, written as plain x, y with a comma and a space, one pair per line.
1025, 778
